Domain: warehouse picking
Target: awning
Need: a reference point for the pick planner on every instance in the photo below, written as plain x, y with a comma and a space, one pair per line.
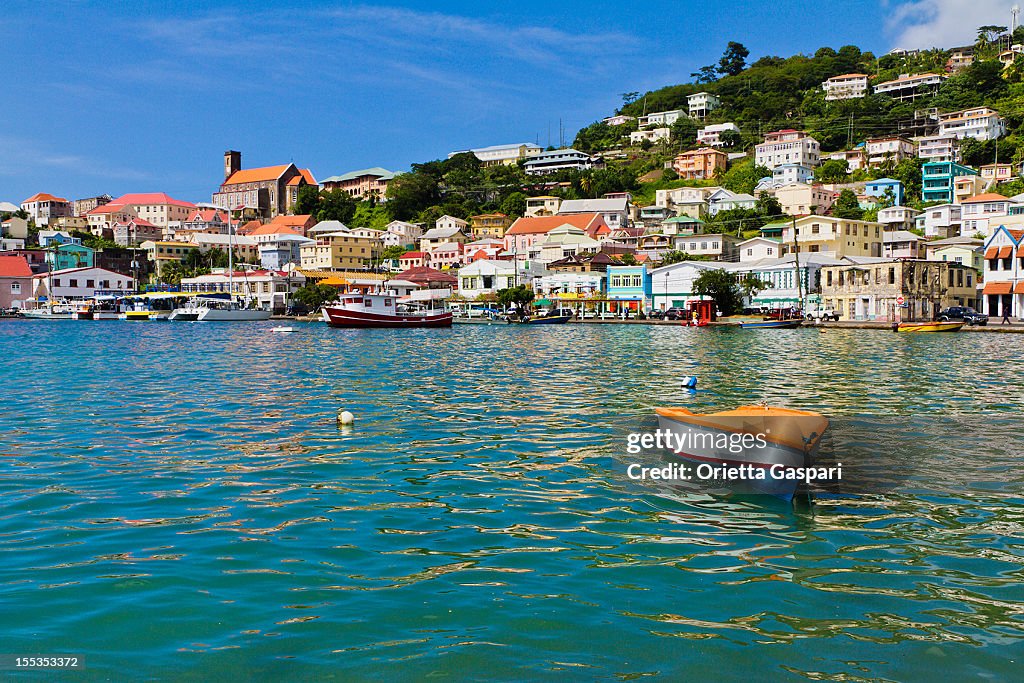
991, 253
1019, 288
334, 282
997, 288
1020, 251
1005, 252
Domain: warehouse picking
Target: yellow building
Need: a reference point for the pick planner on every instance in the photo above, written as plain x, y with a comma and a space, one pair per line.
835, 237
341, 250
489, 225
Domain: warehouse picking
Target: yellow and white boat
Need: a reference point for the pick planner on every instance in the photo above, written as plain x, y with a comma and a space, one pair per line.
951, 326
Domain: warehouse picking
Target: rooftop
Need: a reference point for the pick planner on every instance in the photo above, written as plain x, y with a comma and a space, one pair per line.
376, 172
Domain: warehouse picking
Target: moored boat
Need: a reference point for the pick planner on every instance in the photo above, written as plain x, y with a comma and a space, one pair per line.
381, 310
779, 441
785, 324
952, 326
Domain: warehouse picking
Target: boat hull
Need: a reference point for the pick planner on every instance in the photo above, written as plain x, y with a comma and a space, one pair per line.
553, 320
184, 315
792, 439
930, 327
232, 315
773, 324
342, 317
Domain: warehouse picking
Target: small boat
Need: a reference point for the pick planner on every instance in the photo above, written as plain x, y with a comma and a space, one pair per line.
55, 311
85, 311
930, 327
784, 324
138, 314
776, 440
284, 329
545, 320
381, 310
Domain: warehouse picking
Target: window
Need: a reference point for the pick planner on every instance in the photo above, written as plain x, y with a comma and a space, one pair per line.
15, 288
90, 283
892, 276
815, 229
73, 283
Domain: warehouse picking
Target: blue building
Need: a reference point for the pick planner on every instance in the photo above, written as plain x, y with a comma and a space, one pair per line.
62, 256
937, 179
787, 174
628, 287
879, 188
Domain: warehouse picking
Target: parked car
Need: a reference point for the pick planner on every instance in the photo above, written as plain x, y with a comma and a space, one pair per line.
656, 314
675, 314
821, 314
965, 313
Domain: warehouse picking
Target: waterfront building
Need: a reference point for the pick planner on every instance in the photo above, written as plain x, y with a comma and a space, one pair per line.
628, 288
834, 237
163, 252
1004, 273
366, 183
845, 87
246, 248
719, 247
260, 192
588, 262
700, 164
15, 281
870, 290
567, 289
487, 277
937, 180
44, 208
265, 289
79, 283
787, 146
496, 155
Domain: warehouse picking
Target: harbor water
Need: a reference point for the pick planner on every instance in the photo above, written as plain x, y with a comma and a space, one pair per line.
178, 501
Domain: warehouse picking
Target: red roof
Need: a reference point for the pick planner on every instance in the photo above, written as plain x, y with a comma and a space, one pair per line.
44, 197
149, 198
271, 229
308, 175
256, 175
412, 255
987, 197
105, 208
206, 216
248, 228
424, 275
14, 266
299, 220
539, 225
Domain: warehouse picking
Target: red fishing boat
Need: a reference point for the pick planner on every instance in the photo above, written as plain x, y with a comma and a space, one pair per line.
381, 310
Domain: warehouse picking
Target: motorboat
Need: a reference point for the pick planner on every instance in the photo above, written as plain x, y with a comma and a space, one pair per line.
937, 326
784, 324
776, 441
381, 310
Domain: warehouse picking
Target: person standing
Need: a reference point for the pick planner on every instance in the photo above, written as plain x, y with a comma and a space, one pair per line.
1006, 314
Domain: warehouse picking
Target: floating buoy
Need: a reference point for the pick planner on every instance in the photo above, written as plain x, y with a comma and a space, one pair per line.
689, 382
345, 417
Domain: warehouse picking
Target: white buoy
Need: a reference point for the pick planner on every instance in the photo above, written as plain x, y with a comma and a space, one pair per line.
345, 417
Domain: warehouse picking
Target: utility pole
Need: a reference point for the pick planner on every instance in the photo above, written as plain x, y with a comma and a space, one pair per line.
796, 266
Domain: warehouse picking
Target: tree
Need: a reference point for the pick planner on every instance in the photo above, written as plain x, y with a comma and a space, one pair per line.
768, 206
519, 296
627, 260
721, 287
630, 97
307, 200
315, 295
730, 138
750, 285
684, 131
514, 205
410, 193
336, 205
674, 256
734, 60
392, 252
832, 171
743, 177
706, 74
847, 206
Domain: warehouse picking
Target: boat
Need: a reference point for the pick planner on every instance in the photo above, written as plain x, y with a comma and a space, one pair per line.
381, 310
952, 326
784, 324
776, 440
216, 310
547, 319
54, 311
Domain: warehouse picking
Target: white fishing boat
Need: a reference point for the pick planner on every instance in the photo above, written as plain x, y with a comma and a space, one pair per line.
60, 310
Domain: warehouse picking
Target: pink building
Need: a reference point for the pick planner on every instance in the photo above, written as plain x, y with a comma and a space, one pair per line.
446, 255
15, 282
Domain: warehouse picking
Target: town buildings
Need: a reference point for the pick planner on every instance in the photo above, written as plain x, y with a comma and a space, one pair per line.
799, 199
367, 183
661, 119
44, 208
80, 283
134, 231
885, 189
1003, 293
449, 229
938, 148
401, 234
558, 160
614, 211
101, 219
281, 250
856, 158
888, 151
700, 164
338, 248
712, 135
701, 104
981, 213
528, 231
902, 244
14, 227
15, 282
787, 146
845, 87
937, 180
980, 123
652, 135
898, 218
260, 192
996, 173
908, 88
489, 225
871, 290
835, 237
542, 206
83, 206
155, 207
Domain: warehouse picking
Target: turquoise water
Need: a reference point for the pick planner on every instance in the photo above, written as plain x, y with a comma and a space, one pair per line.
178, 502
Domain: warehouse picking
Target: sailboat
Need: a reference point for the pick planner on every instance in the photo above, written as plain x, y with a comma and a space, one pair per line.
219, 310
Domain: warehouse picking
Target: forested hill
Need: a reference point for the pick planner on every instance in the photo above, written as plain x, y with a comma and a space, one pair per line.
775, 92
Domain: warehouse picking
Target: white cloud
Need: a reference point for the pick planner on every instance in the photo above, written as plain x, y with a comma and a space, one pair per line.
922, 24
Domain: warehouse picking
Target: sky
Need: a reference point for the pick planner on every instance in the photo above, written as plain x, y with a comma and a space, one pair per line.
144, 96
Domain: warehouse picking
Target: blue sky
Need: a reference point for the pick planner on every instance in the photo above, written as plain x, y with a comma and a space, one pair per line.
146, 96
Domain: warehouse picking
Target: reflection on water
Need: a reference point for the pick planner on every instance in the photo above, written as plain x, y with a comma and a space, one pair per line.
178, 500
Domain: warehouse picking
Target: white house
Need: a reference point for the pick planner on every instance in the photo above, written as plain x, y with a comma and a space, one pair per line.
558, 160
508, 155
615, 212
939, 148
943, 220
447, 222
980, 211
898, 217
568, 286
542, 206
1004, 273
652, 135
980, 123
902, 244
271, 289
788, 147
281, 249
723, 200
660, 118
80, 283
701, 103
712, 135
758, 249
401, 234
845, 87
672, 285
785, 174
910, 87
487, 277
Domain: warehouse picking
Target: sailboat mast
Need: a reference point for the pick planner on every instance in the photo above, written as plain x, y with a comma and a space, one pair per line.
796, 266
231, 257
